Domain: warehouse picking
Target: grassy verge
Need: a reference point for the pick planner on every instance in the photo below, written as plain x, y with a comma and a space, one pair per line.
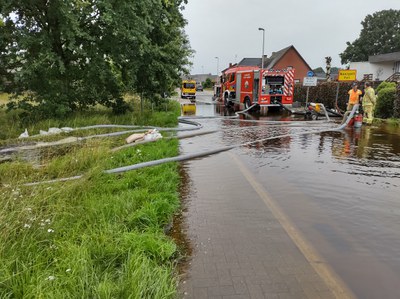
98, 237
12, 124
390, 121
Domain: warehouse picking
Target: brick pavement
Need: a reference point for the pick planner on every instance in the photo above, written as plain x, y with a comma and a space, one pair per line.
240, 250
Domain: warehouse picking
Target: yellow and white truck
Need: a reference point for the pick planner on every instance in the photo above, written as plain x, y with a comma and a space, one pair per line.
188, 90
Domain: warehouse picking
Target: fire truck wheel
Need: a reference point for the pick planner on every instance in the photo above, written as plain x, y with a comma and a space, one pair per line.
247, 103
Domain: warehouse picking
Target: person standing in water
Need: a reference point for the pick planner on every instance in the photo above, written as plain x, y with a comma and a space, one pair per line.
354, 99
368, 103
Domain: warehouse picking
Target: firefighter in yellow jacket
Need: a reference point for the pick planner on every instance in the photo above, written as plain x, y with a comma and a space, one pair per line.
368, 103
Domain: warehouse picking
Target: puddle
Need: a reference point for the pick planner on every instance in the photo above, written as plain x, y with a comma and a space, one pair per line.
179, 226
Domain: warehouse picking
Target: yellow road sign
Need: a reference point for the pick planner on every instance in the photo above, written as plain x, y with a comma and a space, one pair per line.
347, 75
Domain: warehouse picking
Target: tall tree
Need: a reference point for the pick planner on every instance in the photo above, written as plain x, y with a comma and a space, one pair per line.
68, 54
380, 34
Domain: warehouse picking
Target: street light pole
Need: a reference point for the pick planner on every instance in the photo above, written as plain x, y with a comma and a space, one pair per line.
216, 57
263, 44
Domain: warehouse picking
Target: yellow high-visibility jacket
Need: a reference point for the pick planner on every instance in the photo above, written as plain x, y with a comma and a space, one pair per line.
369, 98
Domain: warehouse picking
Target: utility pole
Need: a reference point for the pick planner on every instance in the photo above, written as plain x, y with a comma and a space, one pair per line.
216, 57
263, 45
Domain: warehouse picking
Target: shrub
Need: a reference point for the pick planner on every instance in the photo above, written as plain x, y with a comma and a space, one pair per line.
396, 108
208, 83
385, 101
384, 85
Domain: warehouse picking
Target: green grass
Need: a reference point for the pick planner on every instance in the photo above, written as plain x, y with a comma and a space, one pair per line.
4, 98
394, 122
13, 123
390, 121
98, 237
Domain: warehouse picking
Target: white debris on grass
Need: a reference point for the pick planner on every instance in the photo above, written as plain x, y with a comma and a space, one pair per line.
51, 277
25, 134
153, 135
54, 130
150, 135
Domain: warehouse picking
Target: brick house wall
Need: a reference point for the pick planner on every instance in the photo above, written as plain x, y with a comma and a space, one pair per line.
292, 58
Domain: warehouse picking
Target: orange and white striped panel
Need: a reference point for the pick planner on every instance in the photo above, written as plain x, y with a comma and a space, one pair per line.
288, 86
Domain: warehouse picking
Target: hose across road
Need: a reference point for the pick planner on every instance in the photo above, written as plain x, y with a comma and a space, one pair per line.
186, 157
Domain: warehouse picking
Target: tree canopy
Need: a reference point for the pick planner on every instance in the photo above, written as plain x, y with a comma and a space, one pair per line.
68, 54
380, 34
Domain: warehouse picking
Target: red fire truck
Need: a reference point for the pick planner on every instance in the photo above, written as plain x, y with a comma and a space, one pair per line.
251, 85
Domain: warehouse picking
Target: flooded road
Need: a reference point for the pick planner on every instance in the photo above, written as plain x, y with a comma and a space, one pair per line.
339, 189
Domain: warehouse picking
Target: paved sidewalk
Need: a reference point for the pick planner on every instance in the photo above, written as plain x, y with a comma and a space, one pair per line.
240, 250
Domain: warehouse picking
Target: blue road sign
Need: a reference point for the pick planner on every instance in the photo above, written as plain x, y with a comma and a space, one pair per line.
310, 74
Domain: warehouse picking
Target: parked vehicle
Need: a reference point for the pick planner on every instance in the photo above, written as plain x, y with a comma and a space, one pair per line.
217, 92
188, 89
199, 87
247, 86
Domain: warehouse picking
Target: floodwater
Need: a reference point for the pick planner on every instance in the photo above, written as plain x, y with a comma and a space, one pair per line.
340, 189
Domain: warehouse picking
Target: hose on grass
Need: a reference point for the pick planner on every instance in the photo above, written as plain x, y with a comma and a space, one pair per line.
194, 126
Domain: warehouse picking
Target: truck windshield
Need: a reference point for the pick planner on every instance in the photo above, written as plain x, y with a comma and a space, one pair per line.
188, 85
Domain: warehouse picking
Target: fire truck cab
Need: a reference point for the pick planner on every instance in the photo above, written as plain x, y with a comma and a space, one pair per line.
263, 87
230, 84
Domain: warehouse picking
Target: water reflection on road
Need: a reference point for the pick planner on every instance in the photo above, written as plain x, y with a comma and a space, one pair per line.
341, 189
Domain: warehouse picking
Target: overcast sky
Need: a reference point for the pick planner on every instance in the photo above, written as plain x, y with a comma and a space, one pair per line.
317, 28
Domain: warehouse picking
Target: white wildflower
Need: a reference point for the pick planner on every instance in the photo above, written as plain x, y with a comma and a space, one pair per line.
26, 225
50, 230
47, 221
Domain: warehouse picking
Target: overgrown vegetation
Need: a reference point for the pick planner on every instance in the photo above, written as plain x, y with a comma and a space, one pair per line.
98, 237
61, 56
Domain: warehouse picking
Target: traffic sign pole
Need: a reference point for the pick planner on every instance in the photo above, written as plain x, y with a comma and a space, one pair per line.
309, 81
337, 96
